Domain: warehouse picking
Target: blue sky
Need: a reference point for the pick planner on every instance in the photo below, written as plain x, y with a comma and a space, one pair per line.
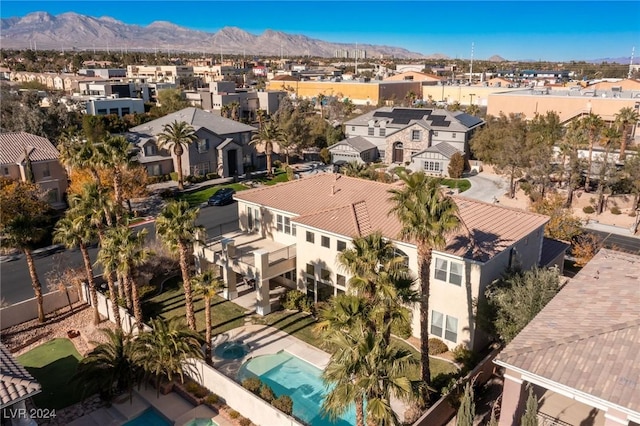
538, 30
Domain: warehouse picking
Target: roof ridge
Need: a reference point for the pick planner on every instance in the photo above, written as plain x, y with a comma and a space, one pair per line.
573, 338
327, 210
515, 209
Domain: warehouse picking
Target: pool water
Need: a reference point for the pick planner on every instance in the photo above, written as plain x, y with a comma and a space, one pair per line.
149, 418
201, 422
287, 374
231, 350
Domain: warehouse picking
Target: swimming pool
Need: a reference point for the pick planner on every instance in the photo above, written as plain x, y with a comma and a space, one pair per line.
150, 417
201, 422
289, 375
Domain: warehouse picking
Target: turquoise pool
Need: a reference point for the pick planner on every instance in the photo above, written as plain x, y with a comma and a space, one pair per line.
201, 422
289, 375
149, 418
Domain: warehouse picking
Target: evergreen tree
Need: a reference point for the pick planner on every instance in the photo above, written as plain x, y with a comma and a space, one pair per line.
467, 410
530, 417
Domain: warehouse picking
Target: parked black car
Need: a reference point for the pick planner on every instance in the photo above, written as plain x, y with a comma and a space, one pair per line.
223, 197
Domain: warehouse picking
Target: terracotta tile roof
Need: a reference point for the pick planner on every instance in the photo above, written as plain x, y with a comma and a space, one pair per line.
15, 381
13, 144
588, 337
356, 207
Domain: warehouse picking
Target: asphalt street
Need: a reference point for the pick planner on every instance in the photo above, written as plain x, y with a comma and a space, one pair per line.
618, 242
15, 283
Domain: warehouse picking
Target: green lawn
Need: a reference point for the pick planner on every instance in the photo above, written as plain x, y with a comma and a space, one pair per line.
196, 198
170, 303
52, 364
461, 184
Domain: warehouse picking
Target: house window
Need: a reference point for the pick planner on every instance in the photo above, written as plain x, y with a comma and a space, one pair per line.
451, 329
150, 149
341, 280
253, 218
287, 225
279, 223
455, 273
113, 111
311, 270
432, 166
325, 241
370, 131
441, 269
437, 320
311, 238
125, 111
341, 245
6, 170
53, 195
353, 128
435, 133
325, 275
46, 172
311, 288
293, 229
415, 135
453, 135
383, 132
154, 170
102, 111
203, 145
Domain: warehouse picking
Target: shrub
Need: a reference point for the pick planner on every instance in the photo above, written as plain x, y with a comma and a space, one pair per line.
284, 403
437, 346
196, 389
277, 164
266, 393
588, 209
615, 210
244, 421
291, 299
403, 331
465, 356
212, 399
174, 176
252, 384
234, 414
210, 176
306, 305
290, 173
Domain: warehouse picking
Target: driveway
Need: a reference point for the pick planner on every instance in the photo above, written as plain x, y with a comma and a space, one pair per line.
486, 187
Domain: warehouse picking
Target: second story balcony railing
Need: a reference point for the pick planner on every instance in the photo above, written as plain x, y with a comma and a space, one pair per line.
284, 253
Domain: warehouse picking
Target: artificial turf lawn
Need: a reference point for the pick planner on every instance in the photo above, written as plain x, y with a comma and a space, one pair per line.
195, 198
52, 364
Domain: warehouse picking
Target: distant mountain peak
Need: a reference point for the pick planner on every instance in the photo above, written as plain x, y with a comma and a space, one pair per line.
496, 58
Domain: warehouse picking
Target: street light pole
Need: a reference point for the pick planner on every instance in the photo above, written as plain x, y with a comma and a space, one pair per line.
471, 95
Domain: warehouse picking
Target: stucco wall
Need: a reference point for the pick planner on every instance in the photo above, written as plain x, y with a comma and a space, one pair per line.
28, 309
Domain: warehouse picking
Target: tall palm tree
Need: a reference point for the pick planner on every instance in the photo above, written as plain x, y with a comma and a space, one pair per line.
109, 256
611, 137
116, 155
575, 137
207, 284
176, 227
427, 216
177, 137
75, 230
22, 225
235, 110
594, 125
110, 368
164, 350
626, 118
79, 154
354, 169
473, 109
268, 134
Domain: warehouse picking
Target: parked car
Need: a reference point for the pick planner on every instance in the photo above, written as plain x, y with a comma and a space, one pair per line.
223, 197
47, 251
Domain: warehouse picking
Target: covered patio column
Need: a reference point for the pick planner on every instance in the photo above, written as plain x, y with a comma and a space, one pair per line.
513, 399
263, 302
230, 291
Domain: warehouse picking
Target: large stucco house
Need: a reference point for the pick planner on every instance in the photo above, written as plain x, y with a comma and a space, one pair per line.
420, 138
18, 149
289, 235
581, 353
222, 146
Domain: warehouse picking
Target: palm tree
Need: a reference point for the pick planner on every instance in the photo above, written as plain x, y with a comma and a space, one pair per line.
116, 155
176, 226
207, 284
268, 134
321, 98
110, 368
594, 125
177, 137
109, 256
473, 109
427, 216
575, 137
626, 118
75, 230
78, 154
611, 138
235, 110
22, 225
353, 169
163, 351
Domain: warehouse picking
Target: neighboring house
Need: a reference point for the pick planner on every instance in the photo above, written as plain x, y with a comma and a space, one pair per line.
581, 353
222, 146
114, 105
47, 171
403, 135
16, 386
290, 234
434, 160
356, 149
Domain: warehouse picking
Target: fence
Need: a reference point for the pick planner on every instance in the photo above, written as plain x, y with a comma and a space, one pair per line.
282, 254
28, 309
443, 410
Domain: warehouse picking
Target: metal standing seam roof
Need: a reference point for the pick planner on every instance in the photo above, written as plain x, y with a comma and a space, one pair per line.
356, 207
13, 144
15, 381
588, 337
197, 118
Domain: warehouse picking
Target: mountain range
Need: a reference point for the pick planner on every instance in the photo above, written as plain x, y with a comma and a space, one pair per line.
67, 31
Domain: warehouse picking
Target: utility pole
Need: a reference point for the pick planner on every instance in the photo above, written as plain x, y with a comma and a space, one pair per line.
356, 73
471, 65
633, 49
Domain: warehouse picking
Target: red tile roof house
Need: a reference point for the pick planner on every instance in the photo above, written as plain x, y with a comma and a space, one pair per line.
289, 235
48, 173
581, 353
16, 386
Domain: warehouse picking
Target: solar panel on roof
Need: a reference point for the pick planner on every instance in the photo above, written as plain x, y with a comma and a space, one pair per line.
468, 120
404, 115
